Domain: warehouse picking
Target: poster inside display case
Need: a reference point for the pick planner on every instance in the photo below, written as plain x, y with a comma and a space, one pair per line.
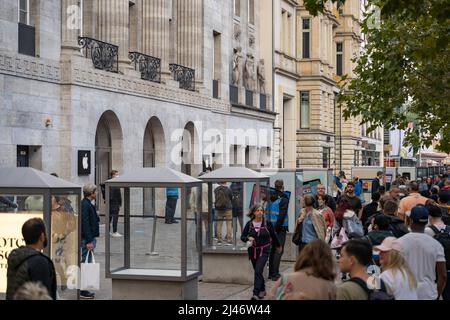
11, 236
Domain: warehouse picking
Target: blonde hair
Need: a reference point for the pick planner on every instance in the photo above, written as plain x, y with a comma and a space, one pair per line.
398, 264
32, 291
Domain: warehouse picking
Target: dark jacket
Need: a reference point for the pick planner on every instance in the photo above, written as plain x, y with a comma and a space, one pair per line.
355, 202
115, 199
375, 185
368, 211
284, 206
7, 202
265, 237
329, 201
29, 265
90, 228
376, 237
238, 198
397, 226
229, 197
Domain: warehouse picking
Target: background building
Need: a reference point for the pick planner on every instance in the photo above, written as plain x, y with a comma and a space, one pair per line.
122, 94
310, 56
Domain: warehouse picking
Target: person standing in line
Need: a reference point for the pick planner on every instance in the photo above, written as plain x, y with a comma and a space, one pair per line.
354, 201
355, 257
90, 228
377, 181
329, 200
115, 202
224, 210
338, 184
278, 215
260, 236
370, 209
425, 256
311, 224
397, 276
28, 263
409, 202
171, 205
437, 229
313, 276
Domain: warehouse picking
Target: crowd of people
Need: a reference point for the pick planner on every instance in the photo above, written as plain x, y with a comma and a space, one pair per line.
403, 232
397, 246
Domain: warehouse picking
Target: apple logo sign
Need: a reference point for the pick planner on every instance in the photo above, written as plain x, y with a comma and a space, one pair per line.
85, 162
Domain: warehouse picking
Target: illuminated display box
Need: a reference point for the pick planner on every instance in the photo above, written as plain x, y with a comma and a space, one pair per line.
27, 193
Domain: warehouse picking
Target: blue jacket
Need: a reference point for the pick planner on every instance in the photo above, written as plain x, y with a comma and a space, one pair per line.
277, 211
172, 192
90, 228
358, 188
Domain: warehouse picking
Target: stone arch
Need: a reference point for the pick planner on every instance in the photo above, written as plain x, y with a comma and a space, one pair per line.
154, 144
108, 149
154, 155
191, 161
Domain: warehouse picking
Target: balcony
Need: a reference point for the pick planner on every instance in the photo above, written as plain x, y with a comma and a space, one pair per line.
104, 55
184, 75
148, 66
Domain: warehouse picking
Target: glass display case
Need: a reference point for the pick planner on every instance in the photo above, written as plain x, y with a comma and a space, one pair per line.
27, 193
158, 236
300, 182
232, 191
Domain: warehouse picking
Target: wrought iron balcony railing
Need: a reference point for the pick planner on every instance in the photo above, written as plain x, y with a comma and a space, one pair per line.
105, 56
184, 75
149, 67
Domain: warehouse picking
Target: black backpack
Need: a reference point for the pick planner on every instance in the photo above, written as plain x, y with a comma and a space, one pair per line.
374, 294
443, 237
397, 227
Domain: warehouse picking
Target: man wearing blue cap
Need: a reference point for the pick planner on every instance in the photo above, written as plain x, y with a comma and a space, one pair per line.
425, 256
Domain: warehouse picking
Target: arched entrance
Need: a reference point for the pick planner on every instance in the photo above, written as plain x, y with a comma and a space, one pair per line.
154, 153
190, 163
108, 150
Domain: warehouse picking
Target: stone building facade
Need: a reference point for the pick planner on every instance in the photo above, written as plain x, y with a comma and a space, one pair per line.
311, 53
61, 94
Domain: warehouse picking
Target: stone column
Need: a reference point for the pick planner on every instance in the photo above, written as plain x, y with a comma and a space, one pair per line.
113, 25
156, 30
190, 35
70, 26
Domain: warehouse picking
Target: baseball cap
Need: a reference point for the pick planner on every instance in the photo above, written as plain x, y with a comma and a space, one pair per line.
419, 214
388, 244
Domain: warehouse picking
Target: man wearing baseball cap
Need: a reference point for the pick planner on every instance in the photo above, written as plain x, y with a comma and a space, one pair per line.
424, 255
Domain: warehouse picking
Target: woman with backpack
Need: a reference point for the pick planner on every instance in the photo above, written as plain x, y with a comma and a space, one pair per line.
260, 236
396, 276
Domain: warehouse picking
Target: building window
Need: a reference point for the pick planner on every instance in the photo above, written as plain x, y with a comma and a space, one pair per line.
356, 158
237, 8
251, 11
326, 157
339, 58
24, 12
304, 110
306, 38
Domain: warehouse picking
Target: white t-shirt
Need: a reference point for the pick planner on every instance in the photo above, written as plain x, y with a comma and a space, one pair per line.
439, 226
397, 285
422, 252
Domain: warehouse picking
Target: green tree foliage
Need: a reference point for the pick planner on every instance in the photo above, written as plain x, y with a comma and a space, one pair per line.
404, 70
